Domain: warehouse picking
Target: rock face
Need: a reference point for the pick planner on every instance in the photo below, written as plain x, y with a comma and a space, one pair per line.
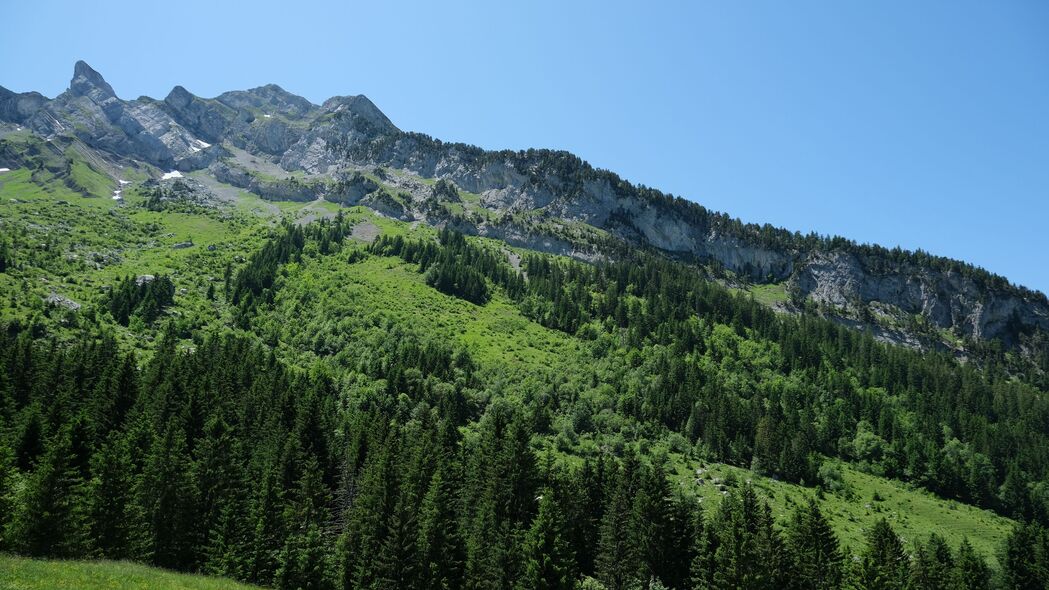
282, 146
19, 107
949, 300
91, 111
210, 120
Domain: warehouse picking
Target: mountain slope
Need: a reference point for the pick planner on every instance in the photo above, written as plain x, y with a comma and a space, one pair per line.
308, 371
280, 145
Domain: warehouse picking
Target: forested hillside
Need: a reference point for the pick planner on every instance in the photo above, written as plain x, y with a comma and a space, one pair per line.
325, 398
290, 345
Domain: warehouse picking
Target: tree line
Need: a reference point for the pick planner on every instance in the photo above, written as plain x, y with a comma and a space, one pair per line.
221, 459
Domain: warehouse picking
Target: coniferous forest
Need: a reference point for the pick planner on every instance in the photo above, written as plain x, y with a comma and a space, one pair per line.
351, 449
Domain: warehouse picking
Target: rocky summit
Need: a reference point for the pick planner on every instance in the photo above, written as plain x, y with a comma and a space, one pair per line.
281, 146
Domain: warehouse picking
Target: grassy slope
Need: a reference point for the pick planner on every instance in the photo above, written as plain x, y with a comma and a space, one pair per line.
18, 573
506, 344
913, 513
499, 336
770, 294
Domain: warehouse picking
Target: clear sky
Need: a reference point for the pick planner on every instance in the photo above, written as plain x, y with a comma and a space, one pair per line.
919, 124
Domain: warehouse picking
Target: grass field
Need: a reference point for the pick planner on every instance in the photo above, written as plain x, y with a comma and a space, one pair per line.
770, 294
17, 573
913, 513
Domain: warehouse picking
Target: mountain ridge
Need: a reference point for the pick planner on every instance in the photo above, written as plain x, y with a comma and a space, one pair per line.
546, 199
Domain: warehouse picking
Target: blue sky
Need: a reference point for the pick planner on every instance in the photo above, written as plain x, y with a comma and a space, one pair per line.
920, 124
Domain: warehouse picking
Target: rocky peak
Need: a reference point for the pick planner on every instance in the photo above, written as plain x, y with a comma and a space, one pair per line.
269, 98
87, 82
361, 108
179, 97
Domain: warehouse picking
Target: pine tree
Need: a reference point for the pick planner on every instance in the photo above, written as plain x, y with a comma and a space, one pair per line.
49, 519
813, 548
548, 562
303, 562
971, 571
933, 565
883, 564
617, 562
167, 497
116, 526
1022, 565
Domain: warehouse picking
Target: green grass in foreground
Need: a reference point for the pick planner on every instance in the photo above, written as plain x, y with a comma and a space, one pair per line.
18, 573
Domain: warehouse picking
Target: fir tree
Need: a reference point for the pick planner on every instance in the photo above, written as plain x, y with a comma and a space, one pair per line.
933, 565
884, 564
49, 519
548, 562
971, 571
617, 563
116, 526
813, 547
303, 562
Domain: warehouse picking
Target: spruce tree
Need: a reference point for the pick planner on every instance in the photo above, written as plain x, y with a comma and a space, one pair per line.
971, 571
1022, 565
884, 563
749, 552
617, 563
115, 523
303, 562
50, 516
933, 565
167, 496
813, 548
548, 562
440, 554
267, 529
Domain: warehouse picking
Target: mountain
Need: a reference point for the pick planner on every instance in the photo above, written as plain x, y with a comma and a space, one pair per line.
291, 345
541, 199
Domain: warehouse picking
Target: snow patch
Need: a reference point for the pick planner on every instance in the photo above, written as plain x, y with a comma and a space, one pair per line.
5, 169
268, 116
203, 144
172, 174
124, 181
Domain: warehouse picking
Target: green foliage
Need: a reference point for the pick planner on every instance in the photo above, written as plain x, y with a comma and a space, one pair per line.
144, 297
49, 516
883, 564
813, 547
548, 561
342, 415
